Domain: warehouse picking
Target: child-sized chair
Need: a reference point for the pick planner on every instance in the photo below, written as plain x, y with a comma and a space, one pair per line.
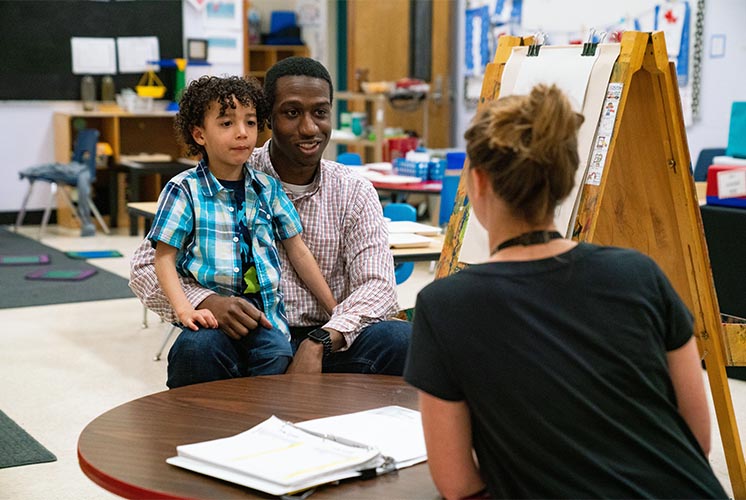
79, 173
406, 212
352, 159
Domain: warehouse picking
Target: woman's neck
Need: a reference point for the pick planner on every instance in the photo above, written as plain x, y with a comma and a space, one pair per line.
506, 228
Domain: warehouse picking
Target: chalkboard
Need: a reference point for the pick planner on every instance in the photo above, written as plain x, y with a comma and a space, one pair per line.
36, 60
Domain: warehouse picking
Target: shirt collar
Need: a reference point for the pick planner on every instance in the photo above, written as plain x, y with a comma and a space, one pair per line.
210, 186
261, 159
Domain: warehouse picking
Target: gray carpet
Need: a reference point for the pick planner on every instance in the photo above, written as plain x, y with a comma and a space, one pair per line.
17, 291
18, 448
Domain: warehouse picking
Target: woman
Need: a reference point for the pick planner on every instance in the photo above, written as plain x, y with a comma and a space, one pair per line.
555, 369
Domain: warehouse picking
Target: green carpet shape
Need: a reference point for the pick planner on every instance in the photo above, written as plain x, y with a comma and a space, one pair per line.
18, 447
17, 291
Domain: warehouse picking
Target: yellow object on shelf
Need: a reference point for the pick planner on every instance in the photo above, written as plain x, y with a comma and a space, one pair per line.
150, 85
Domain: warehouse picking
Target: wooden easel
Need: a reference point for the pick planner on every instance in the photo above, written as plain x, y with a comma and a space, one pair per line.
646, 200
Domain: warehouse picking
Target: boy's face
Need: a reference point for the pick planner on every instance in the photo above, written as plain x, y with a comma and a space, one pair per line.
228, 138
301, 125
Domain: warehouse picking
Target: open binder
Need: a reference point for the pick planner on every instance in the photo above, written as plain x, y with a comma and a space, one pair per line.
279, 457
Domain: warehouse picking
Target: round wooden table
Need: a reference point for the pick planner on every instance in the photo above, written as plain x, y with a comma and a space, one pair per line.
125, 449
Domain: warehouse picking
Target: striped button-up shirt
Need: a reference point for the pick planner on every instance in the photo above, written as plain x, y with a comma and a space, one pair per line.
344, 229
199, 216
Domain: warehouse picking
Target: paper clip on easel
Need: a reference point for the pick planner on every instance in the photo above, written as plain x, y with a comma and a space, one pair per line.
594, 38
533, 49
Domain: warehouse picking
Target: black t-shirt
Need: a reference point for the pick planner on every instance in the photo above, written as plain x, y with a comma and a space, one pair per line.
562, 362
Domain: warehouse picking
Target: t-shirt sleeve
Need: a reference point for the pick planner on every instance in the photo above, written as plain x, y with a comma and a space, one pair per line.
678, 319
285, 218
173, 222
427, 365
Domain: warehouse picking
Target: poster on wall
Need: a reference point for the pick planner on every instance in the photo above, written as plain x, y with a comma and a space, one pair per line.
578, 21
223, 14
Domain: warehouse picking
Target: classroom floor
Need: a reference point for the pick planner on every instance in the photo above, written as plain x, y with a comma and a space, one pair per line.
63, 365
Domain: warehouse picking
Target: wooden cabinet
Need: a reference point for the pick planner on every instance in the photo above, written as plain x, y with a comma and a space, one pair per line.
127, 134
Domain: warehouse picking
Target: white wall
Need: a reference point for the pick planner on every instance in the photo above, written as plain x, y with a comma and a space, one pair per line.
722, 78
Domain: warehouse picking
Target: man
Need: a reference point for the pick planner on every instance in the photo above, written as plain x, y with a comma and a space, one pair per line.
343, 226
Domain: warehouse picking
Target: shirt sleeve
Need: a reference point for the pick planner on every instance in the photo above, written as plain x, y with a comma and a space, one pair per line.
370, 266
144, 284
426, 367
285, 217
173, 222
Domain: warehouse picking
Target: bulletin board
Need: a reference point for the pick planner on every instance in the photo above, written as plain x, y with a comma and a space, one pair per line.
35, 41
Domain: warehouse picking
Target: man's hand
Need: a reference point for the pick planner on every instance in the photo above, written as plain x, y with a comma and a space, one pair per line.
236, 316
307, 358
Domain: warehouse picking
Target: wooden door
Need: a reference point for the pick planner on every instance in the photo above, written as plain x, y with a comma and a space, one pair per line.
378, 33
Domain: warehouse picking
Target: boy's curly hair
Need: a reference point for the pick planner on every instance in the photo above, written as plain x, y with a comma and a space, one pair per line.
207, 89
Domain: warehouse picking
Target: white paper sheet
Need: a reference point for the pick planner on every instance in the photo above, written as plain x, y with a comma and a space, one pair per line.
93, 56
394, 430
584, 79
134, 52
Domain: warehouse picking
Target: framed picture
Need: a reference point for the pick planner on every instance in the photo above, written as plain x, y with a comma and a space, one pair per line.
197, 49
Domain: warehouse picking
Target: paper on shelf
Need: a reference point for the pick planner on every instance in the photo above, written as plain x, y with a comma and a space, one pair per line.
405, 226
408, 240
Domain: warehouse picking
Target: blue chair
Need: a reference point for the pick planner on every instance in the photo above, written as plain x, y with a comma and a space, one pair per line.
349, 159
406, 212
79, 173
704, 160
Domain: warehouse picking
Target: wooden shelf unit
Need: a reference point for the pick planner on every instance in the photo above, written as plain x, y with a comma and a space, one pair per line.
127, 134
375, 105
259, 58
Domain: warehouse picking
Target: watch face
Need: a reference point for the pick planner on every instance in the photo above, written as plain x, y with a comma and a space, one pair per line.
319, 335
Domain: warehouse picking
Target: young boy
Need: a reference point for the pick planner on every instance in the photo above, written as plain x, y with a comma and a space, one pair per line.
218, 222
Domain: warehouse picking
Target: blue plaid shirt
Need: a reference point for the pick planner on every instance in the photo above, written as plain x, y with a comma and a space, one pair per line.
197, 215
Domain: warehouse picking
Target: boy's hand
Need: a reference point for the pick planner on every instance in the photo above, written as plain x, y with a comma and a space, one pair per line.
195, 318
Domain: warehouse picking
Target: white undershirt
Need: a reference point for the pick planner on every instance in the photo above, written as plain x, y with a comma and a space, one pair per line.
297, 189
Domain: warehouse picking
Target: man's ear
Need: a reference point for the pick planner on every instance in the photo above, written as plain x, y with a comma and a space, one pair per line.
198, 134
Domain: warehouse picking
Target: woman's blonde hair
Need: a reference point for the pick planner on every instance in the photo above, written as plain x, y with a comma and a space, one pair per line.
528, 146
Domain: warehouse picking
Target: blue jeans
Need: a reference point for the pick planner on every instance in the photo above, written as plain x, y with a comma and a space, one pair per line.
209, 354
380, 348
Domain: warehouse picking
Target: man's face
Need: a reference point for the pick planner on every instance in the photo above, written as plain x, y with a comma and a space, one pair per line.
301, 122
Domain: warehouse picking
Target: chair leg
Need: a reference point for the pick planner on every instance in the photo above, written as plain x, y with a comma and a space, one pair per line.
22, 211
97, 214
48, 209
170, 332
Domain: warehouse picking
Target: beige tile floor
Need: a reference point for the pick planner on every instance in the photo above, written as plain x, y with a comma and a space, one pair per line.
63, 365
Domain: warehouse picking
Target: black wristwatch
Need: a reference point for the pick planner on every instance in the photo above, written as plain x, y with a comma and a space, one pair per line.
321, 336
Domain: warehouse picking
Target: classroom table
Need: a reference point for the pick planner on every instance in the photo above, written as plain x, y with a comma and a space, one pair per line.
146, 210
125, 449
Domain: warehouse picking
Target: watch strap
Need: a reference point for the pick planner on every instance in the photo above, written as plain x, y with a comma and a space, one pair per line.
322, 337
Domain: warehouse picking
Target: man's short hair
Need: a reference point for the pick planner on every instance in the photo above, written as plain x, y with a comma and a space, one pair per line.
294, 66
